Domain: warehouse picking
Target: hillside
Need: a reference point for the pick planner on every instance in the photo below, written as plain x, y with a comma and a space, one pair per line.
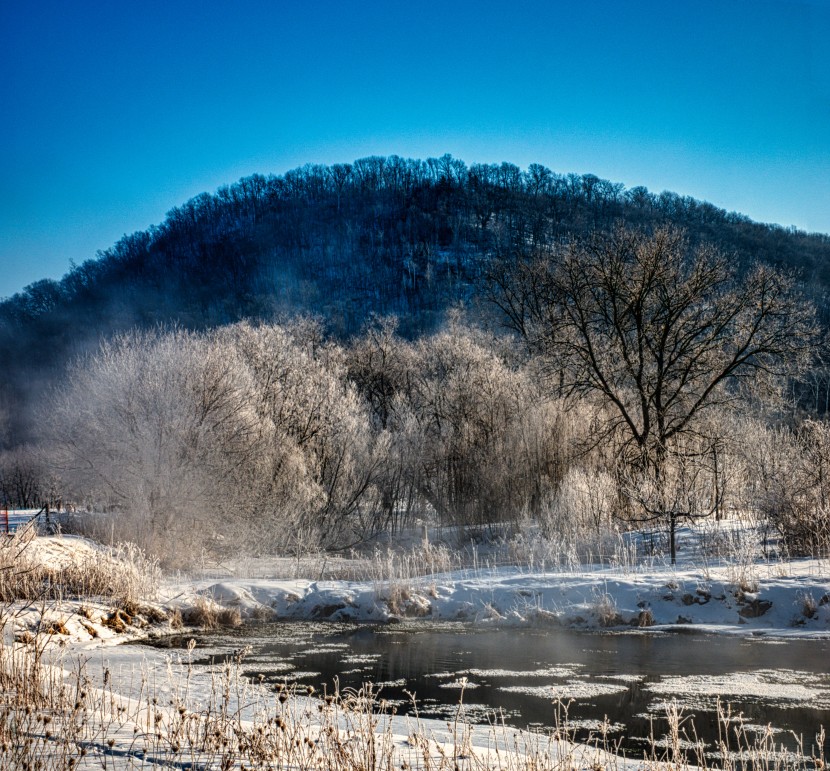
379, 236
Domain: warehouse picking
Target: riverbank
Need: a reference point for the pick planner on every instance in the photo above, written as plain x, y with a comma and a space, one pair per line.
788, 599
135, 699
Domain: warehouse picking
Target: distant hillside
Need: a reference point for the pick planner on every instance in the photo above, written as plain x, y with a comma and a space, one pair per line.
381, 235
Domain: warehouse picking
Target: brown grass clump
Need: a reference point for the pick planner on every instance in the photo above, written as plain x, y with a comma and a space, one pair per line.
91, 630
397, 598
645, 618
230, 618
28, 572
118, 621
57, 627
208, 614
263, 613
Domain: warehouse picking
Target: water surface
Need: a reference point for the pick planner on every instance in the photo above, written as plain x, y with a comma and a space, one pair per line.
533, 677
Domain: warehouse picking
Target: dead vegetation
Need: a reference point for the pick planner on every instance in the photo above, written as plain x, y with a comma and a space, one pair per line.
207, 614
124, 575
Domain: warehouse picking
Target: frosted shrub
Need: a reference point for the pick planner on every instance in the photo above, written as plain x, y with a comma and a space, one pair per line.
321, 429
790, 485
586, 499
579, 517
160, 427
485, 444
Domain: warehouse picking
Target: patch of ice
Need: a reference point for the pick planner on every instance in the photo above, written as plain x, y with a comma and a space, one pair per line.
299, 675
756, 728
561, 672
328, 649
400, 683
621, 677
273, 666
665, 743
369, 658
462, 683
575, 689
783, 687
595, 726
388, 703
476, 713
772, 758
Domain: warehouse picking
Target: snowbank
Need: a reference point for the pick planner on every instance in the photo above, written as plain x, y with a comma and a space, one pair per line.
790, 601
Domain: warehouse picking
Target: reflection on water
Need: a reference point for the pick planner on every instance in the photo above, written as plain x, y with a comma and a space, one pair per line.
626, 678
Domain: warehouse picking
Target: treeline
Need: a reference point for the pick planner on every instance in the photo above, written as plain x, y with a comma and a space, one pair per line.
647, 381
265, 439
382, 236
271, 438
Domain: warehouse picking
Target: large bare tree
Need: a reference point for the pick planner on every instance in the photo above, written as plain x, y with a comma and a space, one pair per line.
661, 332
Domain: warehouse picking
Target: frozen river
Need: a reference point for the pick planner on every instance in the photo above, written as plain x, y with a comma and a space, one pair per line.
624, 677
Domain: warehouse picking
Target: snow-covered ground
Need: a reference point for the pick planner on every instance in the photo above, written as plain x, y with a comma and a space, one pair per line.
782, 599
787, 599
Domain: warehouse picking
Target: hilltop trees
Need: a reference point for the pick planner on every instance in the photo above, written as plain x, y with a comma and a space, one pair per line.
389, 236
637, 344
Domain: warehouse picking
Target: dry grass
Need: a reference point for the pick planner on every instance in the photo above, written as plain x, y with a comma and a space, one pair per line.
124, 574
208, 614
605, 609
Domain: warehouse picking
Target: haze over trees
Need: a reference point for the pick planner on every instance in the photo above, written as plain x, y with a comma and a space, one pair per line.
382, 235
340, 352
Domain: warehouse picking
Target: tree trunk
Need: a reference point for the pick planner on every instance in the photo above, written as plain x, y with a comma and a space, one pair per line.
672, 539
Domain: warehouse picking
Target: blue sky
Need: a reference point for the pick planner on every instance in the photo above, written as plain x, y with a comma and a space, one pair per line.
116, 112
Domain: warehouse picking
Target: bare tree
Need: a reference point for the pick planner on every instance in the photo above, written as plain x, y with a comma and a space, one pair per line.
25, 480
657, 331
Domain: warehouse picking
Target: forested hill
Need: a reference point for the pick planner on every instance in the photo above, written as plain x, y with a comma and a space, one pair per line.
381, 235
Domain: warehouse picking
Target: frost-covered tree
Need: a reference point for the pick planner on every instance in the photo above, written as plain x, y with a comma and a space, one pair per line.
485, 443
161, 427
321, 442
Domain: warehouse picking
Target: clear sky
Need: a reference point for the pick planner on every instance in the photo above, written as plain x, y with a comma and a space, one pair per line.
114, 112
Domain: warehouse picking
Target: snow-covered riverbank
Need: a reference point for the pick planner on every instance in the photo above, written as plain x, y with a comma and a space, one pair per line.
789, 599
786, 599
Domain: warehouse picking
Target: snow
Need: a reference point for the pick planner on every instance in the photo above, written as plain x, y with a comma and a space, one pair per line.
779, 600
790, 600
